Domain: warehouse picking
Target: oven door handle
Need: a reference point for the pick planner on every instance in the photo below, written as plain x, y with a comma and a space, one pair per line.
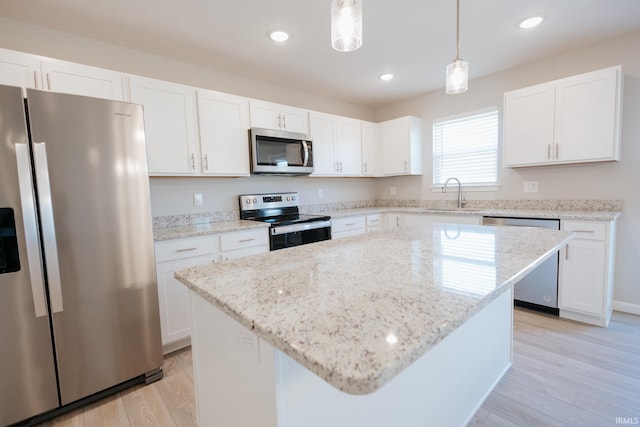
300, 227
305, 148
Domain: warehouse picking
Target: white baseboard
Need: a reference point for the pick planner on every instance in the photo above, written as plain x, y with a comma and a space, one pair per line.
626, 307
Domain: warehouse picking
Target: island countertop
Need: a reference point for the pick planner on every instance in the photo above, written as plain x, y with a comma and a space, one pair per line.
358, 310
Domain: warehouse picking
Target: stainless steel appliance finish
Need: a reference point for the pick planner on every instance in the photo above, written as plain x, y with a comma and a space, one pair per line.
288, 227
280, 152
539, 289
81, 313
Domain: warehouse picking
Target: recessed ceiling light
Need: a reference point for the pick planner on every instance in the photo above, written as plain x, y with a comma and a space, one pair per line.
279, 36
534, 21
386, 77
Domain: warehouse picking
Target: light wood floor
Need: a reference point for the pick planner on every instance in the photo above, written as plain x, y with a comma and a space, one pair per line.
564, 374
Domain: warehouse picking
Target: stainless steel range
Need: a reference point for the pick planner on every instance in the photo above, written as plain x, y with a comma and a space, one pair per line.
288, 226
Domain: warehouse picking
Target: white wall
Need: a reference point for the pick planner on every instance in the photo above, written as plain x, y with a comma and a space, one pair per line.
615, 180
171, 196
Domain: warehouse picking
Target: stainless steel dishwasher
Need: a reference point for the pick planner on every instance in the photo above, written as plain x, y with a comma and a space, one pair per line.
539, 289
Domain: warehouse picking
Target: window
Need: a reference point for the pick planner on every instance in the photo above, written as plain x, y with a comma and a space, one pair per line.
466, 147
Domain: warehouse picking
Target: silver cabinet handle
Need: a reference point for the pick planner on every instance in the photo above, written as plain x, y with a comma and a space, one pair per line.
284, 121
548, 151
583, 231
566, 252
186, 250
48, 82
193, 161
365, 167
246, 240
35, 79
350, 224
405, 165
206, 162
555, 154
280, 126
48, 226
31, 229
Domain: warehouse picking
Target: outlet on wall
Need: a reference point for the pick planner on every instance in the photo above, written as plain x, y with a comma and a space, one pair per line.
321, 194
392, 191
531, 186
197, 199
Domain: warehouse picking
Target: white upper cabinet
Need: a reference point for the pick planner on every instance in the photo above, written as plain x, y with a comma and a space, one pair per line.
224, 136
349, 146
77, 79
572, 120
35, 72
371, 149
323, 134
170, 126
20, 69
402, 146
279, 117
337, 145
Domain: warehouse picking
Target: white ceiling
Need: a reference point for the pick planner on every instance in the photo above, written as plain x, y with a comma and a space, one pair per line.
414, 39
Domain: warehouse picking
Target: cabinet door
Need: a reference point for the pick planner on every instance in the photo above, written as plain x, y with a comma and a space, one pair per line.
529, 125
173, 296
19, 69
349, 146
294, 119
323, 134
170, 126
587, 110
582, 276
78, 79
265, 115
224, 137
371, 149
402, 146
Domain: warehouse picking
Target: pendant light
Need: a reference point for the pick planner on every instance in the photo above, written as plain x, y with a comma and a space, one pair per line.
458, 70
346, 25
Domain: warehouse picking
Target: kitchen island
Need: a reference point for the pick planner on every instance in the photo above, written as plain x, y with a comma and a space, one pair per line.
406, 327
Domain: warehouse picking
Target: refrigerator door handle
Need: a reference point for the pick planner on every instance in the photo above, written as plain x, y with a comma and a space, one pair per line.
32, 241
48, 226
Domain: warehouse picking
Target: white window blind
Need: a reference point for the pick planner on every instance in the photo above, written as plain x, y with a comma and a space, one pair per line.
466, 147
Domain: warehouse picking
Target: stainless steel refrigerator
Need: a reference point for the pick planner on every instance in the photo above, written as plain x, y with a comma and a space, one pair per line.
78, 297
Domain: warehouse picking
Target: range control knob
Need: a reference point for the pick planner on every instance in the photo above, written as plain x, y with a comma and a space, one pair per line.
288, 198
255, 200
247, 201
293, 197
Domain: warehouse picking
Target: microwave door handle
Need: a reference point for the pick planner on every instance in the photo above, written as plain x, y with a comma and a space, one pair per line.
305, 148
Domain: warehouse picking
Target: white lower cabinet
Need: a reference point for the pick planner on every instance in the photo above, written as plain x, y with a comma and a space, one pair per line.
375, 222
348, 226
173, 255
586, 272
240, 244
173, 296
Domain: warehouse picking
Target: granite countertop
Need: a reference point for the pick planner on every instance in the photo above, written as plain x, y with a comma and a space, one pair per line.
178, 232
516, 213
357, 311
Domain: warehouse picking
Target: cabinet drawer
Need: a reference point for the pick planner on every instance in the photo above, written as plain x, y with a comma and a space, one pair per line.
244, 239
350, 223
588, 230
169, 250
374, 220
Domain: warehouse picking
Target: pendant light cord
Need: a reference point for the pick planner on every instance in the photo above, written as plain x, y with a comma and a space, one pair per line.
457, 29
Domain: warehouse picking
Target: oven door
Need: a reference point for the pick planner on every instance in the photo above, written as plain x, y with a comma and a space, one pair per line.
299, 234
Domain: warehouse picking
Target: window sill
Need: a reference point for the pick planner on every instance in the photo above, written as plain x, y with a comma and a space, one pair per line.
466, 188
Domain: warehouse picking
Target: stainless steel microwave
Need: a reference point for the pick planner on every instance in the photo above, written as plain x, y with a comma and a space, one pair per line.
280, 152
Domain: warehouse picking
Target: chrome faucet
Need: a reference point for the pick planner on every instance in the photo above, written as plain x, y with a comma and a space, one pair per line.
461, 201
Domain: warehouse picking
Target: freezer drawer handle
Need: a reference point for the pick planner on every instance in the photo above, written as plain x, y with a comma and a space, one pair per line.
48, 226
31, 229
